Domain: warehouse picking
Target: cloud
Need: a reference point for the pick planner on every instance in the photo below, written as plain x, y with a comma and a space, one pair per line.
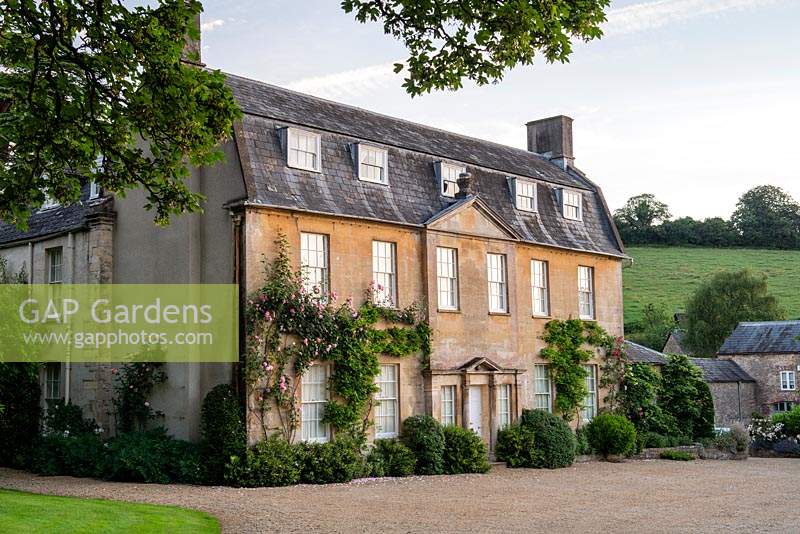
649, 15
350, 82
211, 25
621, 21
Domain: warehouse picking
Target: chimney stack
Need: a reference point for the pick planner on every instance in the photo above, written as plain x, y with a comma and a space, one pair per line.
466, 185
552, 138
193, 47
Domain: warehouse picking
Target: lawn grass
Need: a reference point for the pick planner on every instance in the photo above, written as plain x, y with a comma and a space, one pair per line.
28, 512
668, 275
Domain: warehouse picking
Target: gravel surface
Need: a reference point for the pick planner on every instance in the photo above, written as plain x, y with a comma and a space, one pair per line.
756, 495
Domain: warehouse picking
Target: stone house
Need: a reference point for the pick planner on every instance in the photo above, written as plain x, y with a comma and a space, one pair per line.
492, 241
768, 351
732, 389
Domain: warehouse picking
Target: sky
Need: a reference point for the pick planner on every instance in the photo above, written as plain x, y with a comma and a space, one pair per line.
695, 101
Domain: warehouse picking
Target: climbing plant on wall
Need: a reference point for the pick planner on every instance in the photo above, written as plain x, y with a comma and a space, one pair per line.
290, 329
567, 351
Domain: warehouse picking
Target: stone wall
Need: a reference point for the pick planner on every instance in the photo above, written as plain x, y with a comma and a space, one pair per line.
765, 369
734, 402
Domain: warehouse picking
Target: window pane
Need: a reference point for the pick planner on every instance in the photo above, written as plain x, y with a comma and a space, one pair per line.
384, 274
447, 278
55, 265
303, 149
450, 174
372, 164
542, 388
448, 399
386, 409
586, 292
496, 273
314, 395
589, 409
539, 287
504, 404
526, 195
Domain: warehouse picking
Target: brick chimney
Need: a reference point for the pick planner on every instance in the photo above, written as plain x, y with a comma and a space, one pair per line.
552, 138
466, 185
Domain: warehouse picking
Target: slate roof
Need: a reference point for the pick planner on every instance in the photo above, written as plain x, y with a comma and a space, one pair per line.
54, 221
766, 337
677, 336
641, 354
715, 370
412, 196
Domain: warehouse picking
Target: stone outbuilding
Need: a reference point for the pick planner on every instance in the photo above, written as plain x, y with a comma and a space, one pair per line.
769, 351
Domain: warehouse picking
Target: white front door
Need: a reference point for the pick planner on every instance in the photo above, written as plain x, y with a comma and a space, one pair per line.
475, 409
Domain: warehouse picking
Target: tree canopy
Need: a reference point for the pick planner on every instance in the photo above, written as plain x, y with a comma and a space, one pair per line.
765, 217
722, 302
98, 91
452, 40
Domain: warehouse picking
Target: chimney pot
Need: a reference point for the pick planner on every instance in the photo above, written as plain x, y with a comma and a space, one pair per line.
552, 138
466, 185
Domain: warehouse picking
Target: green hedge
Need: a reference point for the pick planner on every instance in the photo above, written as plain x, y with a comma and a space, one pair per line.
464, 451
222, 430
516, 446
424, 436
390, 458
790, 421
272, 462
554, 439
611, 434
19, 418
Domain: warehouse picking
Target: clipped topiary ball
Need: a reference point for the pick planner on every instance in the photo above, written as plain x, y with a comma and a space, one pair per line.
610, 434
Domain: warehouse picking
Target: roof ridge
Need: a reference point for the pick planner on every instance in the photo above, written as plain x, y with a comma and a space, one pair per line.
400, 119
785, 321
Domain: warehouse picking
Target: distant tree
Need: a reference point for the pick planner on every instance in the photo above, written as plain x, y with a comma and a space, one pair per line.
450, 40
717, 232
635, 220
653, 328
722, 302
767, 216
682, 231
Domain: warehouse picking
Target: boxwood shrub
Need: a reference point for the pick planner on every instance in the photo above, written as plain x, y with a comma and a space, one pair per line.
222, 430
272, 462
464, 451
424, 436
338, 460
611, 434
555, 441
152, 456
516, 446
390, 458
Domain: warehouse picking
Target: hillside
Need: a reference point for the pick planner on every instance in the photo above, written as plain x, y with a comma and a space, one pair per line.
668, 275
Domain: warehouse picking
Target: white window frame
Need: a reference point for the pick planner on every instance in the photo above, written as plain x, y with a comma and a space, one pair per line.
49, 203
387, 407
448, 405
447, 278
55, 271
312, 406
586, 308
372, 159
589, 408
788, 381
292, 154
525, 195
497, 278
572, 199
540, 288
504, 405
384, 273
94, 190
314, 263
542, 388
446, 172
52, 381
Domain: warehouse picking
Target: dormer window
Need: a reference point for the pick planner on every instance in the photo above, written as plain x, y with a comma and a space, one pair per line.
448, 177
524, 195
373, 164
94, 190
572, 205
303, 149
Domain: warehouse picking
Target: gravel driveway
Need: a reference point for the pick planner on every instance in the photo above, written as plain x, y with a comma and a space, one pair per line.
757, 495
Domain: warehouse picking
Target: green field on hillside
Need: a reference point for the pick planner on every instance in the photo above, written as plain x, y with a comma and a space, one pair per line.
668, 275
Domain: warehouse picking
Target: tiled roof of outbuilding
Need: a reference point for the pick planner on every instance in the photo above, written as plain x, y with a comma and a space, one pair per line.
765, 337
715, 370
412, 196
54, 221
641, 354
